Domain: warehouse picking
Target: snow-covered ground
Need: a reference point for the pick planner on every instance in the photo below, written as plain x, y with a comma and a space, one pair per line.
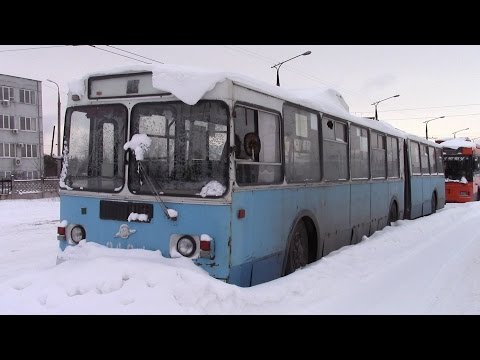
426, 266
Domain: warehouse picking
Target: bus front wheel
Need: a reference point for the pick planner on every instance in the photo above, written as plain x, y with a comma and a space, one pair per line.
434, 204
297, 256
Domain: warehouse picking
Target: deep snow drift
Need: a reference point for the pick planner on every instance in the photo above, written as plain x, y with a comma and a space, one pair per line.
426, 266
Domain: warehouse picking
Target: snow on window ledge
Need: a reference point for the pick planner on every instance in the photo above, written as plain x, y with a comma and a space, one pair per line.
213, 188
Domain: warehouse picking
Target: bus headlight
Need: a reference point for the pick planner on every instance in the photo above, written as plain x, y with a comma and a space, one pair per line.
77, 234
186, 246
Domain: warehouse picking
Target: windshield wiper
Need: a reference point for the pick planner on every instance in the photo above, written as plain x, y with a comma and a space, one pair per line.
141, 172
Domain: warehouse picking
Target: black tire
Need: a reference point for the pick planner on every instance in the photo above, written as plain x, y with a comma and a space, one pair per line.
392, 214
297, 255
434, 204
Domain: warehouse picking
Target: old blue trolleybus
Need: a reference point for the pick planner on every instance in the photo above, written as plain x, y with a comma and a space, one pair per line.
249, 180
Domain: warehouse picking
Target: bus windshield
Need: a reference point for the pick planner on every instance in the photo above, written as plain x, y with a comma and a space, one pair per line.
188, 148
458, 166
94, 136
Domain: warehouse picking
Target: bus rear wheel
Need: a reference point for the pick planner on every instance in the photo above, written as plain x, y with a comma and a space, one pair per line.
297, 256
392, 214
434, 204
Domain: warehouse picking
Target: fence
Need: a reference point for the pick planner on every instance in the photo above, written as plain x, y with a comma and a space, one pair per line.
5, 186
28, 189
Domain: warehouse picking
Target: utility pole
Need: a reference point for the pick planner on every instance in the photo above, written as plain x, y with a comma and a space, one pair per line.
53, 135
59, 137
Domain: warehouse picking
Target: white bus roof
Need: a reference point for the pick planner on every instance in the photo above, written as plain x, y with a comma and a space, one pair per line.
457, 143
190, 84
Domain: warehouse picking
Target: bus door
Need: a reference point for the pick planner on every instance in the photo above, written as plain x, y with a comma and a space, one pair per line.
416, 181
427, 181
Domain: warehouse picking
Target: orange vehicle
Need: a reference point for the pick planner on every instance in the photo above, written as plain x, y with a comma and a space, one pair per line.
461, 159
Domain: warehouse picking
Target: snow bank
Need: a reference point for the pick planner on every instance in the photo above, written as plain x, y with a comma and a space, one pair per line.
425, 266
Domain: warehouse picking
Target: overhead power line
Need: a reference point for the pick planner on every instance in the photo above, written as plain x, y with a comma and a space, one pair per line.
53, 88
129, 52
416, 118
291, 68
34, 48
112, 52
424, 108
271, 60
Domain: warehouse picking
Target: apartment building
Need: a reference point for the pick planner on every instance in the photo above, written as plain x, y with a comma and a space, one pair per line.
21, 128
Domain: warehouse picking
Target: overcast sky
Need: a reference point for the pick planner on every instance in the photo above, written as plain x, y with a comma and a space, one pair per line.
432, 80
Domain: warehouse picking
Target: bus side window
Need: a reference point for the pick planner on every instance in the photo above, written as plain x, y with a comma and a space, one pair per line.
257, 146
246, 123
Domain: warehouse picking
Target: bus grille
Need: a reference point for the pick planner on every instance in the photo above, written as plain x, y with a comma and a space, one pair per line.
116, 210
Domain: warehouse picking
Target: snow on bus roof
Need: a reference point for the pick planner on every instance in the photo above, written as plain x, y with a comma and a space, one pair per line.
423, 140
457, 143
190, 84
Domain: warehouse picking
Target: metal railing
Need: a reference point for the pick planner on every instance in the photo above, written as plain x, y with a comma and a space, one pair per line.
5, 186
29, 189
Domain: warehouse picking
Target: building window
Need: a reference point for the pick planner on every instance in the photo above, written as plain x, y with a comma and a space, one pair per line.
27, 96
7, 122
7, 150
28, 124
29, 151
6, 93
29, 175
5, 175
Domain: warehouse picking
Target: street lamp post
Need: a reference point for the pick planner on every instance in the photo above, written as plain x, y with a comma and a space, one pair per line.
455, 132
59, 138
426, 125
277, 66
379, 101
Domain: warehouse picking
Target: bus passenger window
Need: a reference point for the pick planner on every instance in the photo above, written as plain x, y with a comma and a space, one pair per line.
257, 147
415, 158
302, 162
335, 155
379, 153
359, 153
424, 159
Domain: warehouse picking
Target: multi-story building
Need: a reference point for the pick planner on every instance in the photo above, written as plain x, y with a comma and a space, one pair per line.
21, 129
